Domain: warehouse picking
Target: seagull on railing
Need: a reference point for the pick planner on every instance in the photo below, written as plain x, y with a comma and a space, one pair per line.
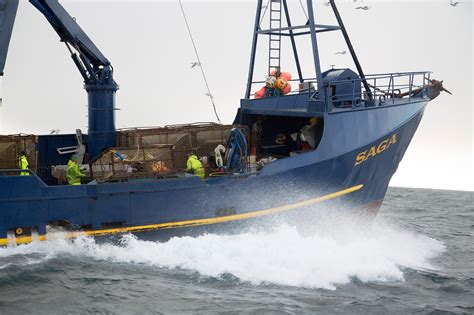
341, 52
365, 8
195, 64
454, 3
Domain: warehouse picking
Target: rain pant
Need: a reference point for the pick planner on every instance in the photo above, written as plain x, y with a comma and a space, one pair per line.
23, 165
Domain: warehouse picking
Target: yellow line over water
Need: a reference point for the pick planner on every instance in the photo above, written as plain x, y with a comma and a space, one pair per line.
197, 222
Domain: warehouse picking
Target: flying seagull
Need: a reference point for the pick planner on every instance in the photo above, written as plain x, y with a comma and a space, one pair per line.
341, 52
195, 64
327, 3
365, 8
454, 3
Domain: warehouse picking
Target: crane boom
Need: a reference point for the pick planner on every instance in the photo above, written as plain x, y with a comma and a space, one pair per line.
96, 71
7, 19
72, 34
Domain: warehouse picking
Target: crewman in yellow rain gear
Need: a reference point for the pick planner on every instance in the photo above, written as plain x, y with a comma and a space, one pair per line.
74, 173
23, 163
195, 166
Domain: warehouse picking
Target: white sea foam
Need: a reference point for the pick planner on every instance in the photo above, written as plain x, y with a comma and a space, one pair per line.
323, 259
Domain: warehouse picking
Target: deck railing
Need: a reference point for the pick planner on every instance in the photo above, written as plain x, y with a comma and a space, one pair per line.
384, 88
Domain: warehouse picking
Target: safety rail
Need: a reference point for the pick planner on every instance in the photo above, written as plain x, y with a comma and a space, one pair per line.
384, 89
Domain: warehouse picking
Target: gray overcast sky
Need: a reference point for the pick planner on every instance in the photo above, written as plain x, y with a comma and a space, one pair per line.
147, 43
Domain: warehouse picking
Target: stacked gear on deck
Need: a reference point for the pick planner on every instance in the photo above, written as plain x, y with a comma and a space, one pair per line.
276, 84
200, 138
10, 148
163, 151
123, 162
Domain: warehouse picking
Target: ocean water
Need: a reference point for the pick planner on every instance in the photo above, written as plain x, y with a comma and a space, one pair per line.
417, 256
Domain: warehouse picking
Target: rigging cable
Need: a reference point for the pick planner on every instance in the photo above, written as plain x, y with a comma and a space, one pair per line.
264, 12
302, 7
199, 61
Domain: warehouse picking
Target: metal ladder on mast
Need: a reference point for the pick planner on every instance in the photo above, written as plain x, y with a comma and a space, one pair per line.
274, 43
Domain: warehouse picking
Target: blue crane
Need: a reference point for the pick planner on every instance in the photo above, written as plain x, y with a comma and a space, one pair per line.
95, 68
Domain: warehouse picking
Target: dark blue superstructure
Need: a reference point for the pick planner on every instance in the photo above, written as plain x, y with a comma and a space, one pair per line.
365, 126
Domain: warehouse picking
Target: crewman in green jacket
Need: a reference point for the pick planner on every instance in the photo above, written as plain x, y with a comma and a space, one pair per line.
195, 166
74, 173
23, 163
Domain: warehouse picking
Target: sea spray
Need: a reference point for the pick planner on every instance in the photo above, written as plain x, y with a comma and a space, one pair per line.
323, 259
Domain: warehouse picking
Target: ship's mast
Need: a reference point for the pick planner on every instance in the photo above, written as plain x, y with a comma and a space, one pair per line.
276, 31
278, 11
352, 51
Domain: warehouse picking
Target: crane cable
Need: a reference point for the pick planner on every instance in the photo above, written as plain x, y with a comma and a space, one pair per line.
199, 61
302, 7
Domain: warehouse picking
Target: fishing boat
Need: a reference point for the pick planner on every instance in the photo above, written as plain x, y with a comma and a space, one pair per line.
298, 144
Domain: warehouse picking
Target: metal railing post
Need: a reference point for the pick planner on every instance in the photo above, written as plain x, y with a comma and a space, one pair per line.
375, 89
392, 79
410, 88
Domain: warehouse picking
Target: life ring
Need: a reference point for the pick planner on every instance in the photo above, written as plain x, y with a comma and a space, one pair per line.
19, 231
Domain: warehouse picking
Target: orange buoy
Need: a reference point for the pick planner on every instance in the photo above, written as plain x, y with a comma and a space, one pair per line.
287, 89
260, 93
286, 75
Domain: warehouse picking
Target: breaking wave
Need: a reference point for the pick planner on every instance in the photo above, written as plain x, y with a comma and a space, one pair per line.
326, 258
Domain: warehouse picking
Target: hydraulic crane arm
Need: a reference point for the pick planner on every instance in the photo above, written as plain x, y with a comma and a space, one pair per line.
7, 19
90, 61
94, 68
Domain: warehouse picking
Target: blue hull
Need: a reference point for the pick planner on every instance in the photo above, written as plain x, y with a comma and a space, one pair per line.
351, 169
